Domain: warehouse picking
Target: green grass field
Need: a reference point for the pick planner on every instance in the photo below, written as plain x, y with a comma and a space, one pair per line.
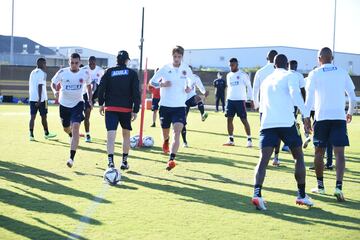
207, 196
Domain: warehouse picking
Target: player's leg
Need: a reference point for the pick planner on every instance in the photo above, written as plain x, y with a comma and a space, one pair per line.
154, 108
87, 113
200, 105
276, 161
222, 97
329, 157
65, 116
125, 122
111, 123
217, 100
43, 113
230, 114
241, 112
165, 121
33, 111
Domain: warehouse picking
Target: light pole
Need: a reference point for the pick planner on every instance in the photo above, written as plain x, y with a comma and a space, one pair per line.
12, 36
334, 33
141, 42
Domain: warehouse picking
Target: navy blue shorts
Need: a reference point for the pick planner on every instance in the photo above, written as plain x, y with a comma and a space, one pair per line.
43, 108
289, 135
332, 131
112, 120
155, 104
193, 101
72, 115
235, 107
173, 115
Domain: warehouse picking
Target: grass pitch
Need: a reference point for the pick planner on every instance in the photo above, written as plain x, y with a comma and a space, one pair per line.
207, 196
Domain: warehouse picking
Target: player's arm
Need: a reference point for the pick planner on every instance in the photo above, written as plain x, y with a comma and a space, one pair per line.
249, 89
310, 92
201, 87
54, 83
156, 82
136, 95
256, 90
350, 92
296, 97
41, 82
101, 92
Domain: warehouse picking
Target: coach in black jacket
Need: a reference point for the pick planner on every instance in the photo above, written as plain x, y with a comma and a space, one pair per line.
119, 90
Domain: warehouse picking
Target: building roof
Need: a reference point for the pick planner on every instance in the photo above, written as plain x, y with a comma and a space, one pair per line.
18, 45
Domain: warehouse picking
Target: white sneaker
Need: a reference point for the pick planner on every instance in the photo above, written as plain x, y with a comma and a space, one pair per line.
249, 144
304, 201
70, 163
259, 203
320, 191
276, 162
306, 142
185, 145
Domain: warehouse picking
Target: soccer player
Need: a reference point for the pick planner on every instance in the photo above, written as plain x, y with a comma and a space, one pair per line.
279, 94
96, 73
174, 82
72, 80
119, 90
238, 91
220, 86
193, 100
155, 99
327, 86
38, 98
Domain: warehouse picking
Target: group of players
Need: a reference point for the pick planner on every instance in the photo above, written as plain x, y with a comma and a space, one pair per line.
276, 91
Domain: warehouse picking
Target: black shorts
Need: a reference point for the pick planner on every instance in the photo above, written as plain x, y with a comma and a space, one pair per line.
42, 108
332, 131
193, 101
289, 135
71, 115
112, 120
155, 104
172, 115
236, 107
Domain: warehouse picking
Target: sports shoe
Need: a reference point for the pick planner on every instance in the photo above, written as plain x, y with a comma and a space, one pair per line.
276, 162
124, 165
331, 167
50, 135
320, 191
32, 138
70, 163
153, 125
111, 164
185, 145
170, 165
204, 116
312, 167
304, 201
165, 147
249, 143
259, 203
307, 141
339, 195
285, 148
88, 139
229, 143
81, 135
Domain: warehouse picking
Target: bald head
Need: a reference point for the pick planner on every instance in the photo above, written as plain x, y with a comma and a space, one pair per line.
325, 55
271, 55
281, 61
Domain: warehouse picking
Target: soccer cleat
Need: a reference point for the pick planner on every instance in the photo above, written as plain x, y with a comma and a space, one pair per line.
88, 139
285, 148
229, 143
124, 165
304, 201
339, 195
320, 191
185, 145
153, 125
307, 141
312, 167
50, 135
259, 203
204, 116
276, 162
111, 164
165, 147
70, 163
170, 165
249, 143
32, 138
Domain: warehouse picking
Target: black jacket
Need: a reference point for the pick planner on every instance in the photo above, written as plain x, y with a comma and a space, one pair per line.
119, 87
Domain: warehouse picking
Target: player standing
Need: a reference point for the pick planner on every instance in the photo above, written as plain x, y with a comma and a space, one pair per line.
220, 86
327, 86
72, 80
38, 98
238, 91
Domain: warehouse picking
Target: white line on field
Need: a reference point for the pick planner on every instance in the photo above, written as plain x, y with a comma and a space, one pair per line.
85, 219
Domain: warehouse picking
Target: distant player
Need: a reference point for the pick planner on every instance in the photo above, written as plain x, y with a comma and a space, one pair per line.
174, 82
155, 99
279, 94
327, 86
38, 98
72, 80
238, 91
220, 86
96, 73
119, 90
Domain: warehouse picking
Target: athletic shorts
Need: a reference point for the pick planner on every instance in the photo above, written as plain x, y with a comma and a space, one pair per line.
270, 137
42, 108
235, 107
172, 115
112, 120
155, 104
72, 115
193, 101
332, 131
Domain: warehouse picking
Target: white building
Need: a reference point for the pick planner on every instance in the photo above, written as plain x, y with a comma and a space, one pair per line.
251, 57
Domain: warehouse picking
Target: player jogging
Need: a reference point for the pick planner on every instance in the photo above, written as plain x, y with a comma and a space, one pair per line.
155, 99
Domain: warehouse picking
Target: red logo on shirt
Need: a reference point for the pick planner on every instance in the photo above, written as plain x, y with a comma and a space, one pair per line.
81, 80
184, 73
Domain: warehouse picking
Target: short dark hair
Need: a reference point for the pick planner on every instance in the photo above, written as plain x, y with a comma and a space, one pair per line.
281, 61
271, 55
233, 60
293, 65
40, 60
92, 58
178, 49
75, 55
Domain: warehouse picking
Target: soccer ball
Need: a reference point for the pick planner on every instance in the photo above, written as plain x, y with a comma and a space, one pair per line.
148, 141
134, 140
112, 176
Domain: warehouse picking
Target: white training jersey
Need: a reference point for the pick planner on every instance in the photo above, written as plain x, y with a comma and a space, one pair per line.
312, 108
239, 86
326, 86
260, 76
195, 83
37, 77
179, 77
279, 95
72, 84
299, 78
95, 75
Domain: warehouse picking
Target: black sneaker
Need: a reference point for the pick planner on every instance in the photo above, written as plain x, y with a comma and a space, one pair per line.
153, 125
124, 165
111, 164
312, 168
331, 167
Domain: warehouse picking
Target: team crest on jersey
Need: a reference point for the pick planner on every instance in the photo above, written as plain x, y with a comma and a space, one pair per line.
81, 80
184, 73
169, 71
238, 77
